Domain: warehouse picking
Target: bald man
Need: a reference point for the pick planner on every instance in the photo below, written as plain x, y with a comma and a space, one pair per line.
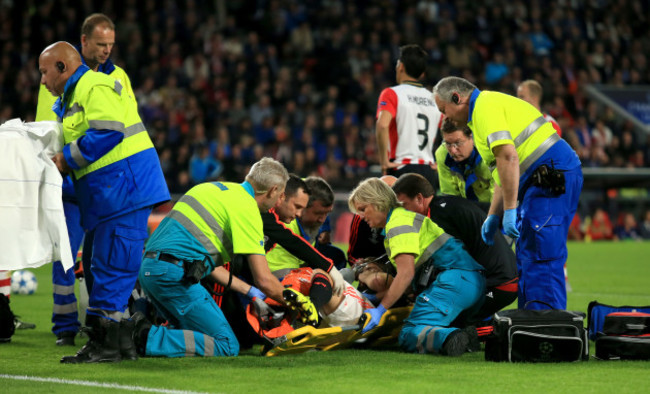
531, 91
365, 241
389, 180
117, 179
97, 41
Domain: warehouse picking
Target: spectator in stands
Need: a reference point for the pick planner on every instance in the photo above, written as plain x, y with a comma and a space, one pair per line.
628, 229
600, 227
575, 229
628, 146
601, 134
203, 166
496, 69
289, 58
645, 225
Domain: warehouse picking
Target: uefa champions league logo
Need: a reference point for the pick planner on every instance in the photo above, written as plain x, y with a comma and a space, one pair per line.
545, 350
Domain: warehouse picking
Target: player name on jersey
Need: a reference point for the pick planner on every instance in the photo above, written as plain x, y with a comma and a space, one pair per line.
420, 100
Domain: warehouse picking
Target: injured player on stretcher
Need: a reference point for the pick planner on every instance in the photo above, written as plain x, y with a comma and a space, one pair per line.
325, 309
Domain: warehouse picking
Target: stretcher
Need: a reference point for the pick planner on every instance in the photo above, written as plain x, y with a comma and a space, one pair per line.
309, 338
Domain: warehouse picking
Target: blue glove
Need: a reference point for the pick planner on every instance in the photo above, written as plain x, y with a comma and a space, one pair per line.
371, 297
375, 317
490, 227
510, 223
255, 292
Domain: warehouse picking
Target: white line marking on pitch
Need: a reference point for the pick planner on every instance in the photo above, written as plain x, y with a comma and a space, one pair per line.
95, 384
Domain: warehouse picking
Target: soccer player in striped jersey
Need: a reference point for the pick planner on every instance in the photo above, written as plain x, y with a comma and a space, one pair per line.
408, 119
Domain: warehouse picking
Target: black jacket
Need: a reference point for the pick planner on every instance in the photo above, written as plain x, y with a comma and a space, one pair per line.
463, 219
364, 241
276, 232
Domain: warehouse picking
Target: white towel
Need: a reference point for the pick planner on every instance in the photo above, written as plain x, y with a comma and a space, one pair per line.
32, 224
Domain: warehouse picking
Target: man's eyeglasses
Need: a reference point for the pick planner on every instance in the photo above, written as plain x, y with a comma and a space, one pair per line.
456, 145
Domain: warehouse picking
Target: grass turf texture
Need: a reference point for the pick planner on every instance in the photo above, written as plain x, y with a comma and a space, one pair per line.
612, 273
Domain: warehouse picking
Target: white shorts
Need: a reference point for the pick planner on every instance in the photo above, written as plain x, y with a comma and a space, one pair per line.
350, 309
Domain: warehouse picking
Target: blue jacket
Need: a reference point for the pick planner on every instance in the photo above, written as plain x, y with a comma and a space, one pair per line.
123, 186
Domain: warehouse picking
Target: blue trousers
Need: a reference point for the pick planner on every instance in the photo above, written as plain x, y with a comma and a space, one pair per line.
543, 221
117, 246
428, 325
200, 328
65, 316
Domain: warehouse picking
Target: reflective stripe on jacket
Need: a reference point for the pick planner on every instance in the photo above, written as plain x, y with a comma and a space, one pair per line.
499, 119
98, 101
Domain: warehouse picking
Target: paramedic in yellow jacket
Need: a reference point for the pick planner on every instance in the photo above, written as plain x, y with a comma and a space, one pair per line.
538, 182
208, 226
117, 179
461, 170
445, 278
97, 40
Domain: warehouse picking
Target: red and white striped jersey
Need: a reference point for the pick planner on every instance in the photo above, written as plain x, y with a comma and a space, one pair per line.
415, 123
556, 126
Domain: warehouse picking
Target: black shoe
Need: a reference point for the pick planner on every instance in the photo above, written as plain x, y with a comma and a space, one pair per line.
66, 338
103, 346
7, 320
300, 302
21, 325
456, 344
474, 343
83, 355
140, 332
93, 352
127, 345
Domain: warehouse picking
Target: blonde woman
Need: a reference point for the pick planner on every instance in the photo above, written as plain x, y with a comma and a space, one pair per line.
445, 278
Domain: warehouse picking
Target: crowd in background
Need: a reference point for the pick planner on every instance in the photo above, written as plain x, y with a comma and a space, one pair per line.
599, 227
222, 83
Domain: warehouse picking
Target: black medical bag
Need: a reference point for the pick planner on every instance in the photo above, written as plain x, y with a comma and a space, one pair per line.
551, 335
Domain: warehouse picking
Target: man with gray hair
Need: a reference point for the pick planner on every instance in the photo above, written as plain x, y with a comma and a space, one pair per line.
538, 182
207, 227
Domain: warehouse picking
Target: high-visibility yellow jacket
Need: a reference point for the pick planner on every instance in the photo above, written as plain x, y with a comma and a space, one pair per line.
470, 179
411, 233
115, 166
46, 101
216, 220
499, 119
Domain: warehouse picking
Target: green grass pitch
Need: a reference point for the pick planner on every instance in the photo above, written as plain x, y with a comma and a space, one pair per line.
612, 273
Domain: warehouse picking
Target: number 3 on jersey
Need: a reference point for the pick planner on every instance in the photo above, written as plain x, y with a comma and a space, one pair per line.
423, 130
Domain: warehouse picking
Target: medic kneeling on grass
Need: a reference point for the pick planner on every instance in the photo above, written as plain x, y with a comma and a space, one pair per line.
447, 281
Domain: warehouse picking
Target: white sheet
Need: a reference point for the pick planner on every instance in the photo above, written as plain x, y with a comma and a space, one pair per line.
32, 224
